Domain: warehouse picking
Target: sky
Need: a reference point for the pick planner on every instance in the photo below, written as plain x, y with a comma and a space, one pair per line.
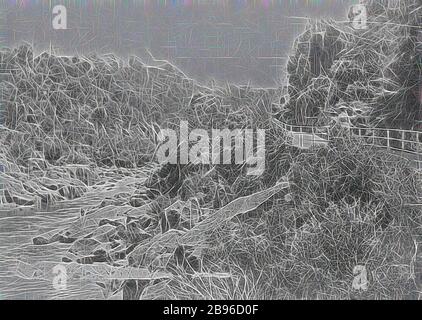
240, 41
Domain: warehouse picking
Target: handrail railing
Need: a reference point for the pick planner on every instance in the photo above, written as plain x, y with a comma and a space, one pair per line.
401, 140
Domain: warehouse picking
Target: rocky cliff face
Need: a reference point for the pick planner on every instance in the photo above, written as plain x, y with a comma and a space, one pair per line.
377, 68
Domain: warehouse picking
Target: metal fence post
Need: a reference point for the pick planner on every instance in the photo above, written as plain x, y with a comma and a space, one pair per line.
388, 139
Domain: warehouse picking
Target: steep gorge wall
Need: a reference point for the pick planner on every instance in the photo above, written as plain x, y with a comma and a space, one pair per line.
372, 74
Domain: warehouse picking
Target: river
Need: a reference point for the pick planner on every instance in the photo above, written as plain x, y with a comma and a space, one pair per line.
17, 228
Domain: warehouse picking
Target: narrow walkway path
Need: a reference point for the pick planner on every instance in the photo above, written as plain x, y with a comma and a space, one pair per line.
403, 143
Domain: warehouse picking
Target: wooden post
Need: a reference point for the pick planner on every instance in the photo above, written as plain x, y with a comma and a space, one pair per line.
388, 139
419, 150
402, 140
302, 145
373, 137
